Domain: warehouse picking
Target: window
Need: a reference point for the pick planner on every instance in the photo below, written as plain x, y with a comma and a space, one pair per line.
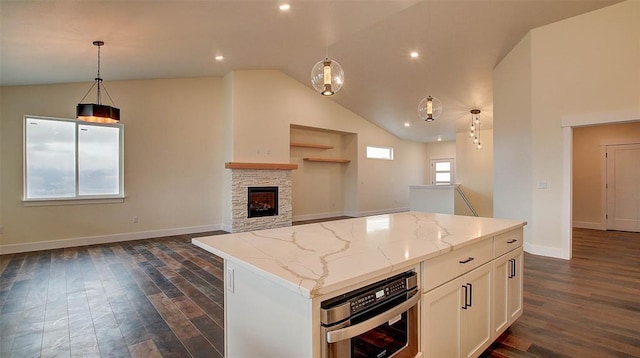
442, 171
69, 159
374, 152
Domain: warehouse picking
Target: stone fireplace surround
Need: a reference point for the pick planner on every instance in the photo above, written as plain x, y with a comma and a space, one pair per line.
245, 175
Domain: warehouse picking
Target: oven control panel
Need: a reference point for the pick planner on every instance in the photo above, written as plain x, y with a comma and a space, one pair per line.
379, 294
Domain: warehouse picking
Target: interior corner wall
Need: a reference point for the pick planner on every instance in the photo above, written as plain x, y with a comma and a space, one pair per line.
512, 163
568, 80
172, 164
267, 102
474, 169
439, 150
227, 143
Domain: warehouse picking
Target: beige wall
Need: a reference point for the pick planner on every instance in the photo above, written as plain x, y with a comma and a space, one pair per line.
318, 187
475, 170
583, 68
589, 169
266, 103
172, 145
439, 150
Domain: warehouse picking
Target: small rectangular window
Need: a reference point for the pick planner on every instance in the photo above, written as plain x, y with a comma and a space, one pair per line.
442, 171
374, 152
69, 159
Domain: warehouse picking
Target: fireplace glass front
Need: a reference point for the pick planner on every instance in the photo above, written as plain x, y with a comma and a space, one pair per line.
262, 201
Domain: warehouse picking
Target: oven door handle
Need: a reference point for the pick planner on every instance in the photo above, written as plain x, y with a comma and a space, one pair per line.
356, 330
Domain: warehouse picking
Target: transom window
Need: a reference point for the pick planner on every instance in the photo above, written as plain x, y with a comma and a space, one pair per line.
375, 152
70, 159
442, 171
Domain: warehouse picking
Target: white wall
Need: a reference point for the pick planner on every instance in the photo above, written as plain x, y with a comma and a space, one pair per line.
173, 150
580, 70
439, 150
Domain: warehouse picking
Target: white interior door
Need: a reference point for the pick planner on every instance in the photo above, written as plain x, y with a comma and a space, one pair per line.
623, 187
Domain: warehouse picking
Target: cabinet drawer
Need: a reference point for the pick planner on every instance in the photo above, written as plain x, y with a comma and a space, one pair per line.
506, 242
446, 267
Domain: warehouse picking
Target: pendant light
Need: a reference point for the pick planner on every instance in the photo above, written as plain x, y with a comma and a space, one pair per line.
474, 132
97, 112
429, 109
327, 77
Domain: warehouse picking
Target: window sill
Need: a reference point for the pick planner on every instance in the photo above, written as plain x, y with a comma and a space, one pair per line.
57, 202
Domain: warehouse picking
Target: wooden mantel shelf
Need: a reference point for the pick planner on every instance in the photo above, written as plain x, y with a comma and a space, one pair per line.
260, 166
327, 160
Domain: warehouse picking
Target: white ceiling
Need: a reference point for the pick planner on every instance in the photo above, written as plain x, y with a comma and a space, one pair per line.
459, 41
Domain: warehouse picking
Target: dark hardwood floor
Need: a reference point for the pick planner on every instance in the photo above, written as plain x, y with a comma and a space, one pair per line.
164, 297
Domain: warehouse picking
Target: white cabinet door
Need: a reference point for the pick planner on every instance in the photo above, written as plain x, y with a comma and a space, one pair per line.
476, 318
515, 286
441, 313
507, 290
456, 317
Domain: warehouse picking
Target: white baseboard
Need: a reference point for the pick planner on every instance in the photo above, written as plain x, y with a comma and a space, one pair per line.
383, 211
103, 239
326, 215
545, 251
589, 225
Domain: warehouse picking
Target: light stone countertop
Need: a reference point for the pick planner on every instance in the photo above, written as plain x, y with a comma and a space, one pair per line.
317, 259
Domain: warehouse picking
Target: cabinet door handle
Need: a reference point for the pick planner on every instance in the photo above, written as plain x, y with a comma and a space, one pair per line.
512, 268
511, 241
467, 260
470, 294
466, 294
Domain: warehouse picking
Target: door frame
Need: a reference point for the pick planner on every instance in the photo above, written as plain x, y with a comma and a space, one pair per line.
567, 124
604, 197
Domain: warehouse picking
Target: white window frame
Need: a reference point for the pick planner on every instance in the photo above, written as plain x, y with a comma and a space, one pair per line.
388, 149
451, 162
77, 198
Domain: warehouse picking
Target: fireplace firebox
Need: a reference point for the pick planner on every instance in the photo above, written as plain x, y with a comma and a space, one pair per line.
262, 201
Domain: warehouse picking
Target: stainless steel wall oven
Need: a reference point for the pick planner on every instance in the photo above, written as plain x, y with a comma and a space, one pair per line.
379, 320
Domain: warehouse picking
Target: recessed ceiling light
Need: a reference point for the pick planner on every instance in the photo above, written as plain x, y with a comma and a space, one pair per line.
414, 54
219, 58
285, 7
439, 139
407, 124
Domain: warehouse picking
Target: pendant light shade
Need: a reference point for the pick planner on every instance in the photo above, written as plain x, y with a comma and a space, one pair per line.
97, 112
429, 109
327, 77
474, 133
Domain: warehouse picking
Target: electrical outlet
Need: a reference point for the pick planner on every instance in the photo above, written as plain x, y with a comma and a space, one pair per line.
134, 219
543, 184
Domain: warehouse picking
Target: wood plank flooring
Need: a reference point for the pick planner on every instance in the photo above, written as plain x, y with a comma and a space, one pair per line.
164, 298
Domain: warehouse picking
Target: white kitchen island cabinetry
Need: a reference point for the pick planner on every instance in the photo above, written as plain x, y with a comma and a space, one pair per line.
276, 279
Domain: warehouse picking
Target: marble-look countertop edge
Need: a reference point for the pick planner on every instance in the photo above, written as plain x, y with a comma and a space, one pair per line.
336, 286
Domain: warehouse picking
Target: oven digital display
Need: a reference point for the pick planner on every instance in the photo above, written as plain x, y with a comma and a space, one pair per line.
379, 294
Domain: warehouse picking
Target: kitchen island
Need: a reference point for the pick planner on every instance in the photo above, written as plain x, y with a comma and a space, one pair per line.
276, 279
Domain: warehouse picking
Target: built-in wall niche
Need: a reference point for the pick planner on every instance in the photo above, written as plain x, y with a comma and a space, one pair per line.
327, 170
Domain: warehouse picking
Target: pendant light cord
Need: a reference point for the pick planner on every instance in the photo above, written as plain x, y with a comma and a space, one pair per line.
98, 80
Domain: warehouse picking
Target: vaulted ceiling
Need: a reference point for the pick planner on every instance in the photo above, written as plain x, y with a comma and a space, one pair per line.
459, 43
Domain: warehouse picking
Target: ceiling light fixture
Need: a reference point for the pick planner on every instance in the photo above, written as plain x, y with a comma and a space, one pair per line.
429, 109
219, 58
474, 132
97, 112
284, 7
327, 77
414, 54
